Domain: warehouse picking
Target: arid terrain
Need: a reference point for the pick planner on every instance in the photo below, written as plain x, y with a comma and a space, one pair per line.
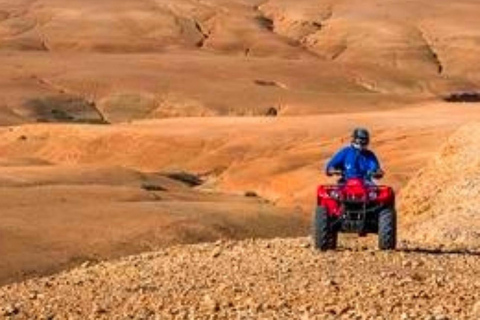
75, 193
115, 61
162, 126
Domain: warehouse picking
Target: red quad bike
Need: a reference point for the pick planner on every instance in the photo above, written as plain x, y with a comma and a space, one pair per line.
355, 206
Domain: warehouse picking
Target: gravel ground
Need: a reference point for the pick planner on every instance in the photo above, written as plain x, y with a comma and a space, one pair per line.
259, 279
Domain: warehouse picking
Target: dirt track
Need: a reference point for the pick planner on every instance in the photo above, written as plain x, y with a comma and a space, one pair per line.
276, 279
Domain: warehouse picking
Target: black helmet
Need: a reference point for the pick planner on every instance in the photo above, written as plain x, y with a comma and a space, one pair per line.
361, 136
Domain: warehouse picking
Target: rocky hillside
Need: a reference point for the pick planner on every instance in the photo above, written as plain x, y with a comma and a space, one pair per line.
441, 204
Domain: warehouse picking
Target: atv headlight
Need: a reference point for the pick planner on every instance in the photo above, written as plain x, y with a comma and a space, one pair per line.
335, 194
372, 195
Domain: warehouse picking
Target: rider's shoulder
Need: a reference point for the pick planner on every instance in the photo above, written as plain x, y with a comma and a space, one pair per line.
345, 150
370, 153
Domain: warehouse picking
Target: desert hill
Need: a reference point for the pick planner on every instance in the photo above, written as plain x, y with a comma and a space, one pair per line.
115, 61
55, 217
75, 193
281, 159
440, 204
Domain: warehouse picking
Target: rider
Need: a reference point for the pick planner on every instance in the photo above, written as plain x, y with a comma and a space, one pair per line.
355, 160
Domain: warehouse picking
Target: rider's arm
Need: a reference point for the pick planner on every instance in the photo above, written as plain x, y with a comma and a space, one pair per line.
337, 162
374, 164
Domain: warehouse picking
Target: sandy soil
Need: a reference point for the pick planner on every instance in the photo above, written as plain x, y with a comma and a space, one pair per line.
54, 217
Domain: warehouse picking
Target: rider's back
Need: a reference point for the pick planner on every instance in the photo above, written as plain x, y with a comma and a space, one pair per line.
354, 162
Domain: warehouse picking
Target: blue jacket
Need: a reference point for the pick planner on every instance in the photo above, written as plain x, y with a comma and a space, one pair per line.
354, 163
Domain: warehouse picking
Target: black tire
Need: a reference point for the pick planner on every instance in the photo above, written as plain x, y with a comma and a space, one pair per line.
323, 236
387, 229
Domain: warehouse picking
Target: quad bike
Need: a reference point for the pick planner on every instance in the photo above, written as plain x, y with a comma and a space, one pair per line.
355, 206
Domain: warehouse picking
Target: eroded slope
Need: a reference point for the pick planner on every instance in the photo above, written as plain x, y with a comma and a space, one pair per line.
124, 60
54, 217
440, 204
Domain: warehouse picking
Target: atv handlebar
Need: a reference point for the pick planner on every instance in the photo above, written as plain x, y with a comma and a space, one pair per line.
334, 173
375, 175
378, 174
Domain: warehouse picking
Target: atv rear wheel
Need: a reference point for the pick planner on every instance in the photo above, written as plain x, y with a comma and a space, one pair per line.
387, 229
323, 236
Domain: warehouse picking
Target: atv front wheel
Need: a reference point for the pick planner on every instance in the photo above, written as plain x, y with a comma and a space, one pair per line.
387, 229
323, 236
